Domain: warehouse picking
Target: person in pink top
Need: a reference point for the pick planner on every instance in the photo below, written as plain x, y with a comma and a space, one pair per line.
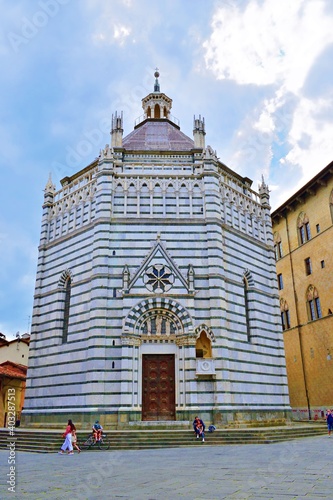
67, 444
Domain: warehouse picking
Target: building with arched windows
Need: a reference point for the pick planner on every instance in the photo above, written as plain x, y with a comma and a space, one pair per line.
303, 237
156, 295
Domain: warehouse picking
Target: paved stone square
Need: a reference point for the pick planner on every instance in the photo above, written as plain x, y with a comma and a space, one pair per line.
301, 469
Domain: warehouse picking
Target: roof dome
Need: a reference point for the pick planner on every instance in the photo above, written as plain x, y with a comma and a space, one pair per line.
158, 135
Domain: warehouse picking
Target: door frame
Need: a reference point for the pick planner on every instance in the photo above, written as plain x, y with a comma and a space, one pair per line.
159, 349
171, 386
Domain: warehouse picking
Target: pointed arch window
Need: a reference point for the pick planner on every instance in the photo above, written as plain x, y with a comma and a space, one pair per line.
303, 227
313, 303
331, 204
157, 111
277, 246
285, 315
68, 285
247, 308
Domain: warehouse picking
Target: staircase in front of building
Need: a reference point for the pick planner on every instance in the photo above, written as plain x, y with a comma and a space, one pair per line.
49, 441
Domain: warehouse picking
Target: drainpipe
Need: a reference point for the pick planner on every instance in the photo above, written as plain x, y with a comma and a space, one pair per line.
298, 322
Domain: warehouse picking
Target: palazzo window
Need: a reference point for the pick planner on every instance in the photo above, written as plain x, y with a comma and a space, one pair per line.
303, 226
331, 205
277, 246
280, 281
285, 315
278, 250
308, 266
313, 304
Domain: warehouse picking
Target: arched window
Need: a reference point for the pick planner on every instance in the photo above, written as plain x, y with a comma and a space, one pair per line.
277, 246
331, 204
247, 309
303, 228
66, 309
313, 303
157, 111
144, 200
248, 287
285, 316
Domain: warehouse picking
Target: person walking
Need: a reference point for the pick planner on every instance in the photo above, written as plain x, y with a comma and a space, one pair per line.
329, 420
74, 440
67, 444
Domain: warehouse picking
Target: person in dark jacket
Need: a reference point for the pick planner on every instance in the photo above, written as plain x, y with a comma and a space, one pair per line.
329, 420
199, 428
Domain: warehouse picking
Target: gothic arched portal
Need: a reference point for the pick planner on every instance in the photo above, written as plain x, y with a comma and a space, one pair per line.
158, 326
162, 308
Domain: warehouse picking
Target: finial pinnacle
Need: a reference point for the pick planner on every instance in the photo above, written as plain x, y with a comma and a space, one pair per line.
50, 187
157, 85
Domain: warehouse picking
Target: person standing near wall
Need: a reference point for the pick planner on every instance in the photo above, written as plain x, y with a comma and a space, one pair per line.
329, 420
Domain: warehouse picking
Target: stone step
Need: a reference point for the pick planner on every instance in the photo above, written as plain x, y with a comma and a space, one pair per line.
44, 441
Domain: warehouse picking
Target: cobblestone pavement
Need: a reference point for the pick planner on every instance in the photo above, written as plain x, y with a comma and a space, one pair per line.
301, 469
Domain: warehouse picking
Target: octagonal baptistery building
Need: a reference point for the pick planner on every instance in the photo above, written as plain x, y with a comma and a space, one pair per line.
156, 296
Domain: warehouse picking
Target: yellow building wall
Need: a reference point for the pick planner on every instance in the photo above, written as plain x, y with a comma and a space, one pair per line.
12, 393
294, 365
308, 344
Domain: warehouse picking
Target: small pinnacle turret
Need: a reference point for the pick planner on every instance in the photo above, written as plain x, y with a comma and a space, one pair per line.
50, 187
264, 193
49, 191
117, 130
199, 132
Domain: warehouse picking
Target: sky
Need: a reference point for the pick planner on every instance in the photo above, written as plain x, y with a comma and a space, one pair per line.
259, 71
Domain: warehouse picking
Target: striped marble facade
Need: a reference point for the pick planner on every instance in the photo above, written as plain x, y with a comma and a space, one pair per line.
159, 247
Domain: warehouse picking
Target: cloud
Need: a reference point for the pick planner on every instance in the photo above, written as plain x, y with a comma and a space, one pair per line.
279, 45
118, 34
117, 22
311, 136
279, 41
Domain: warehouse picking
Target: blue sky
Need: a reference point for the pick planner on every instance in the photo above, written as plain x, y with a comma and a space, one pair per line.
259, 71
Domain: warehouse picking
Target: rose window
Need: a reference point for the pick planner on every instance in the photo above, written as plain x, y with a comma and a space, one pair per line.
158, 278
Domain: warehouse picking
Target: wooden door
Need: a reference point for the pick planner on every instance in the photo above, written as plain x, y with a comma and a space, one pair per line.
158, 387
